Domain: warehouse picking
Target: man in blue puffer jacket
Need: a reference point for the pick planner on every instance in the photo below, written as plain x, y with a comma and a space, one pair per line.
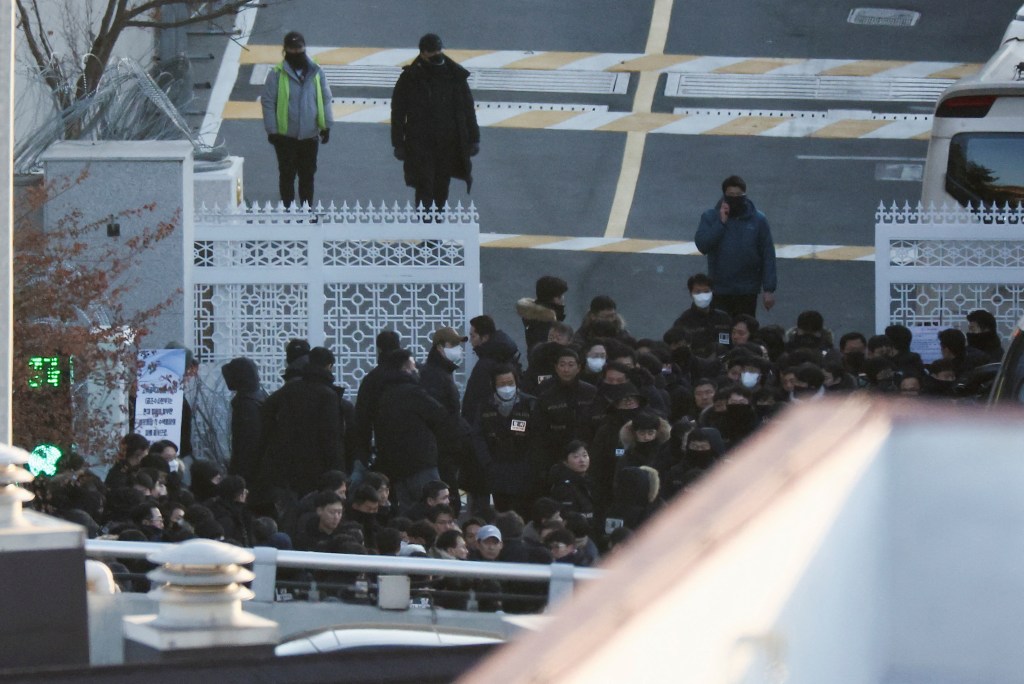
737, 240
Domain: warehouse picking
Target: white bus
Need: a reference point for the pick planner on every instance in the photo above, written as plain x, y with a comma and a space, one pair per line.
976, 153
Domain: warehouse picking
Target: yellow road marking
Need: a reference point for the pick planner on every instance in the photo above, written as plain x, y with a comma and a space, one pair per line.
633, 153
864, 67
653, 62
525, 241
536, 119
748, 125
549, 60
243, 110
631, 245
756, 66
841, 253
851, 128
640, 123
957, 72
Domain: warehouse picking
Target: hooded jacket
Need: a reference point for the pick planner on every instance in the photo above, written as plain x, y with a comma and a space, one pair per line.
424, 96
649, 454
537, 319
302, 101
635, 497
243, 378
740, 252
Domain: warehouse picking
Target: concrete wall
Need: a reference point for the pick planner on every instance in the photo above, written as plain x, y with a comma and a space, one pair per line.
131, 175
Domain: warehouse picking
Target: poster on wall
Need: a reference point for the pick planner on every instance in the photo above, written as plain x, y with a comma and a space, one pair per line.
158, 405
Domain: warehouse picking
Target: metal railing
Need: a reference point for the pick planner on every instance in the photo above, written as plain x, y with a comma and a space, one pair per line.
561, 577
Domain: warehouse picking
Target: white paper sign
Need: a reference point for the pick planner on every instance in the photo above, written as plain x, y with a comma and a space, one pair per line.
926, 342
160, 394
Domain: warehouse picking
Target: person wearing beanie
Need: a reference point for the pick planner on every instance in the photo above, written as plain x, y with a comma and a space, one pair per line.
625, 401
646, 442
370, 389
540, 313
434, 131
412, 430
303, 430
297, 117
601, 320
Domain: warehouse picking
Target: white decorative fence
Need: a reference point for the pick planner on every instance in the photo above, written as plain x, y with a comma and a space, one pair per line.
934, 266
335, 276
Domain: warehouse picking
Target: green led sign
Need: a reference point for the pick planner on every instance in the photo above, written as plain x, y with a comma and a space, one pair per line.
43, 460
45, 371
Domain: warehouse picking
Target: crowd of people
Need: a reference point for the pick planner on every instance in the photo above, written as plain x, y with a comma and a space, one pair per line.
553, 453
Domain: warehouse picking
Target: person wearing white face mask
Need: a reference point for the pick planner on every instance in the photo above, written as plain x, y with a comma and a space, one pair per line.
503, 438
436, 377
709, 328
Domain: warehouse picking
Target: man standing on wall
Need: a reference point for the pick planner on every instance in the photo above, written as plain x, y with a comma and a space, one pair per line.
433, 124
737, 240
297, 116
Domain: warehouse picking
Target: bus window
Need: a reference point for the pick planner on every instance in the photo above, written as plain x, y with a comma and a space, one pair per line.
986, 168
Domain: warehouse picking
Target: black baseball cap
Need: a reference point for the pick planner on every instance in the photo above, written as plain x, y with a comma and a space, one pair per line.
293, 40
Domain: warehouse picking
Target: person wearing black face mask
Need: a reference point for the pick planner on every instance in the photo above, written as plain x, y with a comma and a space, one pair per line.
297, 116
540, 313
434, 131
737, 241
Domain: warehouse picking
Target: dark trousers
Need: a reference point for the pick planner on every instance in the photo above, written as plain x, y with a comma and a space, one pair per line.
736, 304
296, 158
433, 189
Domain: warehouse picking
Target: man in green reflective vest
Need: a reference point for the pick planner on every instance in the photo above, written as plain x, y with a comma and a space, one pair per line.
297, 115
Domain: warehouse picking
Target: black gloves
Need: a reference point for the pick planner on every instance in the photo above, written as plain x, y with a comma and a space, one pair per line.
325, 136
474, 149
400, 153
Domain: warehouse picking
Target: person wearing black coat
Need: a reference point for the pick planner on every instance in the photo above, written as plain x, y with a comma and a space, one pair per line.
434, 131
564, 410
302, 428
436, 377
411, 430
492, 347
370, 389
243, 378
570, 484
504, 441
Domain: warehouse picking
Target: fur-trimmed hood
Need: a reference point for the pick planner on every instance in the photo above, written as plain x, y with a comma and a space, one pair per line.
528, 309
628, 438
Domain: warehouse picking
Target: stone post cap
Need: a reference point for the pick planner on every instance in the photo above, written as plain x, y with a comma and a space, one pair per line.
13, 472
201, 562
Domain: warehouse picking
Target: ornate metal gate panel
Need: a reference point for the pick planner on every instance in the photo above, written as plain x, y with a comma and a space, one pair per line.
336, 277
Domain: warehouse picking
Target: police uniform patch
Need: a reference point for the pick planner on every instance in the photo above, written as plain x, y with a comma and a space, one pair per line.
518, 426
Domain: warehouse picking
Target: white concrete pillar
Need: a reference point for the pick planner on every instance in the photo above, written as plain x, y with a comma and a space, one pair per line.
7, 217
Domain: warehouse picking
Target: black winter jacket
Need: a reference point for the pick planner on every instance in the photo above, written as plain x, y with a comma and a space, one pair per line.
302, 431
243, 378
411, 427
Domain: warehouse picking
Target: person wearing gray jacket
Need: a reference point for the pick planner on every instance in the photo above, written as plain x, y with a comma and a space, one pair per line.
297, 116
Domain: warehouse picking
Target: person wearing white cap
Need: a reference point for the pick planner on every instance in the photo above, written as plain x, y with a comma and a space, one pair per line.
489, 543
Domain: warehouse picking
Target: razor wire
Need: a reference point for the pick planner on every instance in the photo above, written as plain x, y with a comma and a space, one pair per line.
127, 104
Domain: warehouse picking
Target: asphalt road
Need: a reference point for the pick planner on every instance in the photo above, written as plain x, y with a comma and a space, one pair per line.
820, 191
